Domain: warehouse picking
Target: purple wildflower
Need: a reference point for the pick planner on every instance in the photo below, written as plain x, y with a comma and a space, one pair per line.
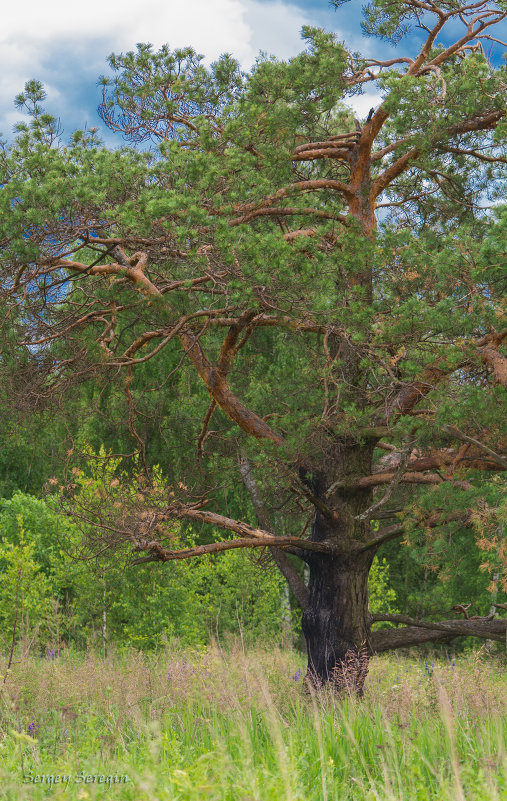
297, 675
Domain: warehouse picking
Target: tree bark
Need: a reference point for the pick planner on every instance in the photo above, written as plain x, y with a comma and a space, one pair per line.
409, 636
336, 621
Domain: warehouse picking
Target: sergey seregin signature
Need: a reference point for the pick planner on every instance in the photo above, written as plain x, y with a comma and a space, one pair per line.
78, 778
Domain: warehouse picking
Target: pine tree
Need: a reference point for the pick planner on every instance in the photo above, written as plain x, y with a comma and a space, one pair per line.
327, 292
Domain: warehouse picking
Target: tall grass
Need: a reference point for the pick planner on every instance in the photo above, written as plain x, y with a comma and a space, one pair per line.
240, 726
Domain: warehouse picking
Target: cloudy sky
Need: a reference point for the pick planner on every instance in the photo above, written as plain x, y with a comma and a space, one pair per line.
65, 45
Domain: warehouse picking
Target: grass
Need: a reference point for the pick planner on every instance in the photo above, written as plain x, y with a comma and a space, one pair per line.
240, 726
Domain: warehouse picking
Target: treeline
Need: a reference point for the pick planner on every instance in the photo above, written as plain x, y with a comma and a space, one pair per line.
55, 591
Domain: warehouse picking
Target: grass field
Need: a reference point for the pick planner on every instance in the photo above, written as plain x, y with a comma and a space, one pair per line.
240, 726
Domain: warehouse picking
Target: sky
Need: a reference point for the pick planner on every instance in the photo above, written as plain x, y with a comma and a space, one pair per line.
65, 45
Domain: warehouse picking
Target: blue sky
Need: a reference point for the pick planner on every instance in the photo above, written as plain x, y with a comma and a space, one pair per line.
65, 45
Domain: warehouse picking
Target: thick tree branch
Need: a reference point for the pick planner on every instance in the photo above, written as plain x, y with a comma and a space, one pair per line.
476, 154
384, 535
379, 154
446, 458
420, 631
482, 122
397, 478
497, 361
220, 521
159, 554
409, 396
220, 391
471, 34
377, 479
424, 52
215, 381
291, 235
204, 430
269, 321
288, 211
245, 209
230, 344
134, 274
392, 172
398, 529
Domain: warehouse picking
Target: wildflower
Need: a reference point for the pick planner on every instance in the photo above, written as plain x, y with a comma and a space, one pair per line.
297, 675
32, 729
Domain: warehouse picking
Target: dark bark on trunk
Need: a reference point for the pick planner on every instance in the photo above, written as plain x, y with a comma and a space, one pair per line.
336, 620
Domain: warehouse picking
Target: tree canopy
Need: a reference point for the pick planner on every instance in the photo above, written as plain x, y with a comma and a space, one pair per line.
303, 301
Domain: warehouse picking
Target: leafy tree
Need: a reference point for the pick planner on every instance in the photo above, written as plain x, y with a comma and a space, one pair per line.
348, 371
57, 591
25, 591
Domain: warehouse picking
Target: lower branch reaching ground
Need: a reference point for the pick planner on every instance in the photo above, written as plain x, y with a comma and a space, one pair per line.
420, 631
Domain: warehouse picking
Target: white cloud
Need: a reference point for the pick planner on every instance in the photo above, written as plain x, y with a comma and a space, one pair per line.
211, 24
363, 103
274, 28
67, 43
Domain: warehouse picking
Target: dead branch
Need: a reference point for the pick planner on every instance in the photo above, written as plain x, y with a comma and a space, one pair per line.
289, 572
455, 432
462, 609
397, 530
204, 430
397, 478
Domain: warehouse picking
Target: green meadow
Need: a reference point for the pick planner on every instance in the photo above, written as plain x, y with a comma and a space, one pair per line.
241, 725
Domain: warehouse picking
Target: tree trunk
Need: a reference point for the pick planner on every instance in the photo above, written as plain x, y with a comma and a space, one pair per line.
336, 621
